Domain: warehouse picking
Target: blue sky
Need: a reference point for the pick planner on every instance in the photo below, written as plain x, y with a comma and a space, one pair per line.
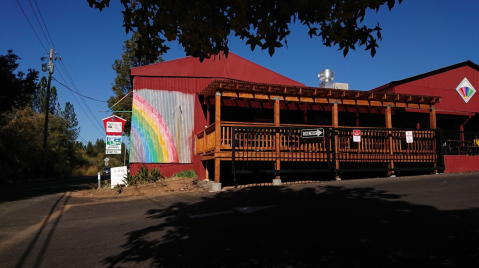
418, 36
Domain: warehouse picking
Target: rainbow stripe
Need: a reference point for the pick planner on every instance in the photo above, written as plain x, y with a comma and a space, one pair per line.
150, 134
466, 92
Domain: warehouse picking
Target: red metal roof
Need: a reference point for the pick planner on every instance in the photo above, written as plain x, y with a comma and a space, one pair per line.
391, 84
233, 67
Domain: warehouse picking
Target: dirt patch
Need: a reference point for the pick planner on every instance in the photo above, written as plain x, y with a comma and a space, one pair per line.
171, 185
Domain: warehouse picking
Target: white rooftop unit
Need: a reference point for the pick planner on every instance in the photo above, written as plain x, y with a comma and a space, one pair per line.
326, 80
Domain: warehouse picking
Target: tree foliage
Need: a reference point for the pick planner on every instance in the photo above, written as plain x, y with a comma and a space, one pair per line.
39, 97
203, 28
22, 116
15, 89
123, 85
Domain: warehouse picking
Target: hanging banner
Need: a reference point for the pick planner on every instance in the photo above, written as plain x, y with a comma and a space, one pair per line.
409, 138
113, 144
356, 135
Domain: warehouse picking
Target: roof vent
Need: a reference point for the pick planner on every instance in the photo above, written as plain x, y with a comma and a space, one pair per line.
326, 80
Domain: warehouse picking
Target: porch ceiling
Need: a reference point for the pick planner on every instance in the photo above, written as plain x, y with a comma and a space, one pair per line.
249, 90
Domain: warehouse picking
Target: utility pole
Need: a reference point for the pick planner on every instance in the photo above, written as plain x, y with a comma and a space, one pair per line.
47, 105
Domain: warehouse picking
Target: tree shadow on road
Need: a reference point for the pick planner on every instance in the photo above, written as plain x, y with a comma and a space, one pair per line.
30, 189
327, 226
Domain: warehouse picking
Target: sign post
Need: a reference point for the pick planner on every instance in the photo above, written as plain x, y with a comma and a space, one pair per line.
114, 126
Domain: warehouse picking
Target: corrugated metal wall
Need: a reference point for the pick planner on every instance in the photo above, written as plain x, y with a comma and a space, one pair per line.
163, 119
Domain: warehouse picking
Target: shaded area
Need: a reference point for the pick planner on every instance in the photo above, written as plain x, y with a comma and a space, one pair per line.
327, 226
29, 189
46, 243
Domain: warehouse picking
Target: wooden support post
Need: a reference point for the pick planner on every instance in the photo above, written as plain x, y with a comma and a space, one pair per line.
335, 122
432, 125
277, 140
432, 117
217, 170
388, 117
335, 114
207, 171
357, 118
217, 134
389, 124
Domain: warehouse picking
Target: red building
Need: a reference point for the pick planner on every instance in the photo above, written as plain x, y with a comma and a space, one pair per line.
170, 108
167, 112
456, 114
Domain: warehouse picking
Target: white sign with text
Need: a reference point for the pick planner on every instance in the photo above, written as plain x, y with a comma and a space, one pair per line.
117, 176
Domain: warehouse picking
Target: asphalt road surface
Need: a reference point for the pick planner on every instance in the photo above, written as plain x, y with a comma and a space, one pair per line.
421, 221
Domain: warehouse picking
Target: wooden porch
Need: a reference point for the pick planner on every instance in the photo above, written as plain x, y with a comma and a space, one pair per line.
275, 142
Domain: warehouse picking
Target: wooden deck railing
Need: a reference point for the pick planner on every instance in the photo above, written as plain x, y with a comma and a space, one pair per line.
376, 144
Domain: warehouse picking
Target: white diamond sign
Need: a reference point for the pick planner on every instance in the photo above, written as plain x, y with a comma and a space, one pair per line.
465, 90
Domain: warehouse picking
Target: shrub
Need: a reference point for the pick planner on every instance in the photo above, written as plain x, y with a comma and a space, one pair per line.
186, 174
144, 176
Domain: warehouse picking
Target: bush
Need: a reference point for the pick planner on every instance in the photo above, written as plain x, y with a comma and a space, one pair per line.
144, 176
186, 174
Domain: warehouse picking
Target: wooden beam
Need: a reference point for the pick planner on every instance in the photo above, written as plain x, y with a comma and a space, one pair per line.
421, 99
329, 93
335, 115
343, 94
276, 113
217, 170
383, 97
396, 98
371, 96
388, 117
432, 118
356, 95
217, 122
409, 98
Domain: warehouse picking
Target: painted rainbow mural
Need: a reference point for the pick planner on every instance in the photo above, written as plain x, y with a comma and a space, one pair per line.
151, 138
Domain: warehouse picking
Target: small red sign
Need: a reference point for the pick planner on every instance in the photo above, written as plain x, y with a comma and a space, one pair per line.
114, 125
356, 135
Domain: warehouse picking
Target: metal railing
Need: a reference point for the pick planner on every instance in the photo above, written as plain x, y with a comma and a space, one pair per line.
460, 142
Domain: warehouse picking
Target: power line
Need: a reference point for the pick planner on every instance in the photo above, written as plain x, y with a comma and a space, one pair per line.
35, 13
45, 24
31, 25
62, 65
76, 89
77, 92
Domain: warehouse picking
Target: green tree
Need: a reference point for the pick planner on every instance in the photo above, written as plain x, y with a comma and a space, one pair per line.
71, 123
204, 28
15, 89
40, 95
122, 84
89, 149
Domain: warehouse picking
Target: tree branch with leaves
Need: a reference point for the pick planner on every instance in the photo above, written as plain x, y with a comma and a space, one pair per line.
204, 28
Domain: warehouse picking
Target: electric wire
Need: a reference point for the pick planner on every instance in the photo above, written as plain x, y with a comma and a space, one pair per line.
39, 12
67, 74
35, 13
82, 99
63, 67
26, 17
76, 92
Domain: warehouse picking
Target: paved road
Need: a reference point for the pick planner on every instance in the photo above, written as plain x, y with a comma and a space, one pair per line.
424, 221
